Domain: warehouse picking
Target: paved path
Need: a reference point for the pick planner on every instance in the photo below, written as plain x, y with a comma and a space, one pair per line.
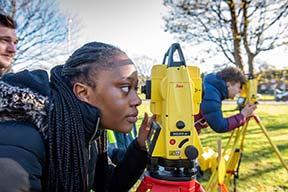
234, 102
261, 102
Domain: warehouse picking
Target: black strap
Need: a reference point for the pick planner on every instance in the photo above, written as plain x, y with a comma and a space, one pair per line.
236, 174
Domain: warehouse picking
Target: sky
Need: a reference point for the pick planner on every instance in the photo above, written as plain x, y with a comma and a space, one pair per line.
136, 26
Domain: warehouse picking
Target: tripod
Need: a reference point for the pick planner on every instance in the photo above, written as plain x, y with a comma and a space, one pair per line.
156, 185
235, 152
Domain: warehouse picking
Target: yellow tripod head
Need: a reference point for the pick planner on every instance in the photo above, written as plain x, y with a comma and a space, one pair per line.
175, 92
248, 93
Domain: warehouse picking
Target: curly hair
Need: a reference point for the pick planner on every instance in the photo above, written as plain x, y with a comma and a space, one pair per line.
233, 75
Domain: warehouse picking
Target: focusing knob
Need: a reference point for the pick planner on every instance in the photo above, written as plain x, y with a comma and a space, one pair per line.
191, 152
180, 124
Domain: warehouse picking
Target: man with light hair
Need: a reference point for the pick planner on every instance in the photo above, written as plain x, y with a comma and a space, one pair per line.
8, 41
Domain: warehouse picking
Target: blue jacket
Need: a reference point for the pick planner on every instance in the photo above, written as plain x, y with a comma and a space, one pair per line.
23, 144
22, 157
215, 91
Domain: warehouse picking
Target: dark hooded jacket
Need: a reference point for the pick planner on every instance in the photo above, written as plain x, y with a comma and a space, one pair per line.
24, 105
215, 91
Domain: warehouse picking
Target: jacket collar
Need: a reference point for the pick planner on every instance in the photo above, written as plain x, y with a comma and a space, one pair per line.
91, 120
24, 105
218, 83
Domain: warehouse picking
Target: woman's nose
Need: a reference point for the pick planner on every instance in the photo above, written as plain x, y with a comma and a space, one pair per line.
135, 100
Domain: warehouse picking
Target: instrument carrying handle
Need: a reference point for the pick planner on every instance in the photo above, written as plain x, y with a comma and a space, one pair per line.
170, 53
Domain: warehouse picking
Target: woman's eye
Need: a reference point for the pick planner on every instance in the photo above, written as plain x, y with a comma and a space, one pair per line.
126, 89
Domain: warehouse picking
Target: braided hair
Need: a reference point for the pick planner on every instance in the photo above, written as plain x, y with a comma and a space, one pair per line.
67, 170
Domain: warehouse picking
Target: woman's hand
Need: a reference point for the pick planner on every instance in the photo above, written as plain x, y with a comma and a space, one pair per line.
144, 130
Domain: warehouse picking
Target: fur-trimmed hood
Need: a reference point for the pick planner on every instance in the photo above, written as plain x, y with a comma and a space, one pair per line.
26, 96
25, 104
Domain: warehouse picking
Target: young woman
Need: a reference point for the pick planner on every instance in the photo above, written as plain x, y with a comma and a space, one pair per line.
53, 133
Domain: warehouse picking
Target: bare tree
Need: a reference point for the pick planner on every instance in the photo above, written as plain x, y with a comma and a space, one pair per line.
236, 28
42, 30
144, 65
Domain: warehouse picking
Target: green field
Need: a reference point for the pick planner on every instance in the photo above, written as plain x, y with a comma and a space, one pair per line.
260, 168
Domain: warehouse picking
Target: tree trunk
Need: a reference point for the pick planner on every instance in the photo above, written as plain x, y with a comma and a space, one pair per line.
237, 55
250, 62
236, 36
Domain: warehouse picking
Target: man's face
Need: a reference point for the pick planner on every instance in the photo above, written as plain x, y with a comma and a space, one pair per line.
233, 89
116, 96
8, 41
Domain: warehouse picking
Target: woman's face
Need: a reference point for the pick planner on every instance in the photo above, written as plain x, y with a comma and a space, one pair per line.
116, 96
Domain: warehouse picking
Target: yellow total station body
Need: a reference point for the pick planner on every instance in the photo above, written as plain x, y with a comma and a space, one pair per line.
248, 94
176, 91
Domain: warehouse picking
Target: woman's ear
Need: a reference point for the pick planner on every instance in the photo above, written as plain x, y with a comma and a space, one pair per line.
81, 91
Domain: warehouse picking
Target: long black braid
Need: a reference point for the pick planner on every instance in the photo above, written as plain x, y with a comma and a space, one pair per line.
67, 170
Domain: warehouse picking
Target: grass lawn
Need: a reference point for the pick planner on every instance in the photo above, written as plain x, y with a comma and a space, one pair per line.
260, 168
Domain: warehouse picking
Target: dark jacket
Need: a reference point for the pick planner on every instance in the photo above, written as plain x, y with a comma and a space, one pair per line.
215, 91
24, 101
118, 145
